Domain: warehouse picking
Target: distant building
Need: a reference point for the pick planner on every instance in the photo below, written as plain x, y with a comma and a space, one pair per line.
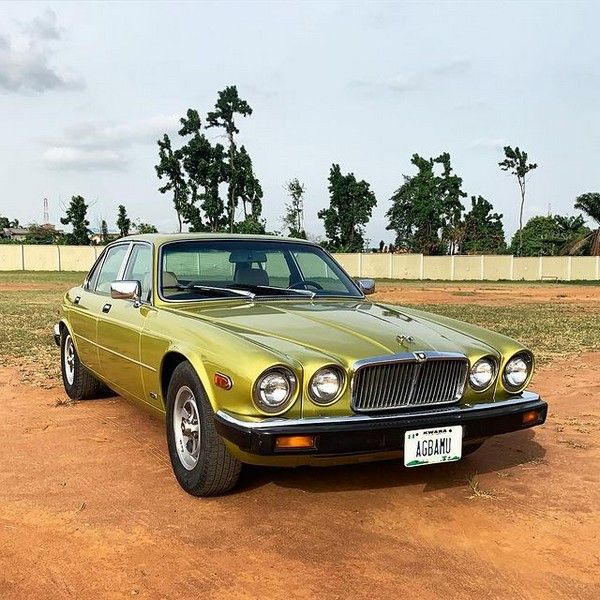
19, 234
16, 234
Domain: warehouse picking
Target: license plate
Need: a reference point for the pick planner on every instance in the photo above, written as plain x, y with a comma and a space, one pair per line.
434, 445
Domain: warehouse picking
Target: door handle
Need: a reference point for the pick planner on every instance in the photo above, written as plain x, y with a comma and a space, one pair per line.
106, 307
77, 299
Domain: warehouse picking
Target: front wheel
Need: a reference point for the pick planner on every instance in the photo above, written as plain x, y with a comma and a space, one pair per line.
201, 463
79, 383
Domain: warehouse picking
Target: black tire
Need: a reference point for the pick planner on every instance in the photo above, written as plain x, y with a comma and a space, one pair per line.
467, 450
79, 383
210, 469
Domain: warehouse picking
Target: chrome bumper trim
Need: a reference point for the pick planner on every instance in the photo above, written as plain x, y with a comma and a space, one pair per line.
270, 423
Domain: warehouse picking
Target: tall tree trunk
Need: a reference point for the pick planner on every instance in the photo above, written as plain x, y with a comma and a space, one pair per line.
596, 243
231, 184
522, 187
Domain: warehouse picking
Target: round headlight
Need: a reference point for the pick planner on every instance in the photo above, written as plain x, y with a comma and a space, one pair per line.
325, 385
482, 374
517, 371
273, 389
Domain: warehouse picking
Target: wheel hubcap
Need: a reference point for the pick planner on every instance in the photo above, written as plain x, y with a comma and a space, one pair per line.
69, 360
186, 427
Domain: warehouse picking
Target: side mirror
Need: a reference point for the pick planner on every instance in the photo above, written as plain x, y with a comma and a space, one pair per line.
126, 290
367, 286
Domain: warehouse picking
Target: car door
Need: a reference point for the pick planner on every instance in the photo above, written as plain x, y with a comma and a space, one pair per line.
121, 323
86, 304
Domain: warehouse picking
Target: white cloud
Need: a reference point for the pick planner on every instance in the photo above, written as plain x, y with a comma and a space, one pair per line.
406, 82
66, 158
487, 144
25, 59
44, 27
106, 135
93, 146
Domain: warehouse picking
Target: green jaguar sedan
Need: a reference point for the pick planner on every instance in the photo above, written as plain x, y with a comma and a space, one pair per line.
263, 350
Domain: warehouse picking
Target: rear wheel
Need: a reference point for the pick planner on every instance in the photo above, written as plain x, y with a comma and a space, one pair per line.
79, 383
201, 463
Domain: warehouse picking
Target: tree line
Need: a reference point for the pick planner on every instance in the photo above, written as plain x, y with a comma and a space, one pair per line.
213, 187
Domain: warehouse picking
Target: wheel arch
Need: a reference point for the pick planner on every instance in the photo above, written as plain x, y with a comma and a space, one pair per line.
64, 327
171, 360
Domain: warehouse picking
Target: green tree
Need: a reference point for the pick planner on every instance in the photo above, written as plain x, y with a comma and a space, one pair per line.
515, 162
146, 228
104, 232
550, 235
169, 168
123, 222
195, 172
350, 206
246, 185
483, 229
6, 223
206, 169
38, 234
76, 217
426, 209
227, 107
293, 218
590, 205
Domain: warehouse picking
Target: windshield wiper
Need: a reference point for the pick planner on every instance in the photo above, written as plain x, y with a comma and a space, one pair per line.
278, 291
218, 290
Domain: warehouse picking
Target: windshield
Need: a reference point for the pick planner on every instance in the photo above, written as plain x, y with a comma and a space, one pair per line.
202, 269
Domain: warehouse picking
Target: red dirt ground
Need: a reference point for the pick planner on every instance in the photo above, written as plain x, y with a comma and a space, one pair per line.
485, 293
89, 509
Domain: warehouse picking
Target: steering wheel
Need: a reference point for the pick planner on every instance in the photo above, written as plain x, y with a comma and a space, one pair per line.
306, 283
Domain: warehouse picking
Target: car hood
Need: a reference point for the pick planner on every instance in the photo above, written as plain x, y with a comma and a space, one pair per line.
343, 330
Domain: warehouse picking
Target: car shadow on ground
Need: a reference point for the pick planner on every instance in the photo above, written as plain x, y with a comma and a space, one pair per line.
497, 454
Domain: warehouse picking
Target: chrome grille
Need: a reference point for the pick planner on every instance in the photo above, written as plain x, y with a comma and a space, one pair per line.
403, 381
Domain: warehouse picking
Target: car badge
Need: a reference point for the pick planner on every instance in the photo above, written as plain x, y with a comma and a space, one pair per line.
420, 356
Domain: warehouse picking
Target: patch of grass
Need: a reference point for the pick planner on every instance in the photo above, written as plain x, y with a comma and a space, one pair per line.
477, 491
26, 321
550, 330
68, 278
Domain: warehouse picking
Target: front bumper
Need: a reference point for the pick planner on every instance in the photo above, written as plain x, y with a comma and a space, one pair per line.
368, 434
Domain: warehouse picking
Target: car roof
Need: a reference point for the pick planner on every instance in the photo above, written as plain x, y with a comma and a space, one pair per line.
162, 238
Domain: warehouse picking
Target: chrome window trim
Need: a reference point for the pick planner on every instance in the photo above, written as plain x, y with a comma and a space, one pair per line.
103, 258
126, 265
97, 263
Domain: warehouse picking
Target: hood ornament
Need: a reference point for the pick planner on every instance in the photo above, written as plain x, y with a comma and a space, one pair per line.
404, 340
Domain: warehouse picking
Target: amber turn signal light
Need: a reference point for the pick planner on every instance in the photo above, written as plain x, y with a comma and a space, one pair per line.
530, 417
223, 381
298, 442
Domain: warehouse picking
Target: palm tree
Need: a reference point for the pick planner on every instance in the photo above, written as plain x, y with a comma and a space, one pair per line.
590, 205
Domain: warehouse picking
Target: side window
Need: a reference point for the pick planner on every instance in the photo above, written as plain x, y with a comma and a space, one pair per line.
93, 275
139, 268
110, 268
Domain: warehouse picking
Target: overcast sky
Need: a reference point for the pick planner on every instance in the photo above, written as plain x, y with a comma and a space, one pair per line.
86, 89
